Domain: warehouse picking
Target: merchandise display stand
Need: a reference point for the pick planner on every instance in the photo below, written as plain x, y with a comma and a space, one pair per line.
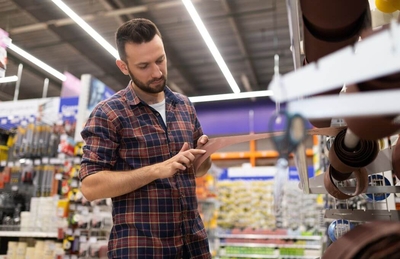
329, 72
42, 162
373, 58
247, 226
268, 246
32, 234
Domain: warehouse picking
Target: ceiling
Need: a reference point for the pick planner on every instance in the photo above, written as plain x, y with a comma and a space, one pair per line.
248, 34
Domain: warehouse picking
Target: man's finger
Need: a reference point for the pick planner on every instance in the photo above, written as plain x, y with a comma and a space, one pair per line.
197, 151
203, 139
184, 147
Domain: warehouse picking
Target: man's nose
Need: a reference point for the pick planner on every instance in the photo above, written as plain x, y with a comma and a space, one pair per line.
157, 73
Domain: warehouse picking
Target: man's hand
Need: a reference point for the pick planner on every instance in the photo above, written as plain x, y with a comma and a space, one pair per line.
202, 141
184, 159
203, 169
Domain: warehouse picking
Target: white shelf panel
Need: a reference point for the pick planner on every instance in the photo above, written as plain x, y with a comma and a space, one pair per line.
255, 236
28, 234
270, 256
299, 257
271, 245
250, 256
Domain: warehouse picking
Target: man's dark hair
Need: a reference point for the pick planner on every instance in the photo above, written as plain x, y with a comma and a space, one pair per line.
137, 30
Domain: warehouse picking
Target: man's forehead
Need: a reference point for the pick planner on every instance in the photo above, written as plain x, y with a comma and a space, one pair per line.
144, 52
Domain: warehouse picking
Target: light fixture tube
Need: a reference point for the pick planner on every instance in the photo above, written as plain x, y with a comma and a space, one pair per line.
95, 35
232, 96
8, 79
37, 62
211, 45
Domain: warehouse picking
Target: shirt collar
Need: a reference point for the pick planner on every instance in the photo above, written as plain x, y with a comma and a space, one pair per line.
133, 99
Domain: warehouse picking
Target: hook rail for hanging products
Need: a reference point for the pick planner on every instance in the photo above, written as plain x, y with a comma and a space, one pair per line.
373, 57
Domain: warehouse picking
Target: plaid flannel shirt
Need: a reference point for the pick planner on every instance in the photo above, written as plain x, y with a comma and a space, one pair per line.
155, 221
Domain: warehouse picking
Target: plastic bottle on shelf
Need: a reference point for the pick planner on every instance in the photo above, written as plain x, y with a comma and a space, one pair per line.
76, 243
39, 248
30, 253
12, 250
68, 241
58, 251
83, 247
21, 250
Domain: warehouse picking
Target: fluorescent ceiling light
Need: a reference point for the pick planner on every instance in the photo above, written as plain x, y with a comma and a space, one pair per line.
95, 35
37, 62
8, 79
211, 45
204, 33
222, 97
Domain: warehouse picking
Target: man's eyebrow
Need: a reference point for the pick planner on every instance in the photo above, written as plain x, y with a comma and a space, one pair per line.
146, 63
141, 63
162, 56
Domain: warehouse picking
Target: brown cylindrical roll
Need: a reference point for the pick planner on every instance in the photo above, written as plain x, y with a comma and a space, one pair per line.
396, 159
339, 176
316, 47
386, 247
345, 160
383, 83
329, 26
333, 15
378, 239
370, 128
378, 126
332, 25
361, 176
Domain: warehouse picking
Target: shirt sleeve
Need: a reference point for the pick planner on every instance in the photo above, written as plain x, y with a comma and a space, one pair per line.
197, 130
101, 142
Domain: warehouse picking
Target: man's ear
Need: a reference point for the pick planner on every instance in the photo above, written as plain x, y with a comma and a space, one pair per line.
122, 66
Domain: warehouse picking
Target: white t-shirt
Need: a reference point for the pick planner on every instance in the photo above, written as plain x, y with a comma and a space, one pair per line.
160, 107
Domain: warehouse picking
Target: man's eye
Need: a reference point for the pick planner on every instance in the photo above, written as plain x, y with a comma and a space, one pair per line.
143, 67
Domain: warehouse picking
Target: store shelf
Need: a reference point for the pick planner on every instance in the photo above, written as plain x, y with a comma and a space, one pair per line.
275, 255
250, 256
250, 154
270, 256
43, 161
270, 245
28, 234
310, 245
298, 257
207, 200
256, 236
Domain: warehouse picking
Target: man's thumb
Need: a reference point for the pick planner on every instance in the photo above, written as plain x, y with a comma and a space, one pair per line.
184, 147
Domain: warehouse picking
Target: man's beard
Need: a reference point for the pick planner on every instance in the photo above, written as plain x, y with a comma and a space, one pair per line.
145, 87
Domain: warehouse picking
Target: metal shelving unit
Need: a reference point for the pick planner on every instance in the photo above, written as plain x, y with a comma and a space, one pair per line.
222, 244
316, 247
28, 234
256, 236
252, 256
